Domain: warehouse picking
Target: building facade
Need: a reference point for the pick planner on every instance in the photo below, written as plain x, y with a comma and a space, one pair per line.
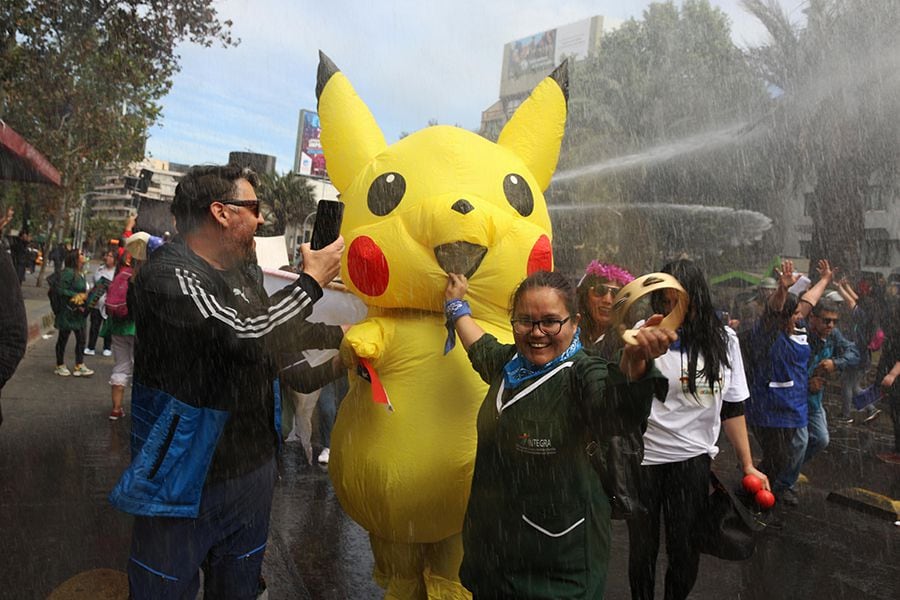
879, 249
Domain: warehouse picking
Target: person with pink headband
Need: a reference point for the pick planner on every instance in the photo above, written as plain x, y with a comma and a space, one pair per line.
596, 291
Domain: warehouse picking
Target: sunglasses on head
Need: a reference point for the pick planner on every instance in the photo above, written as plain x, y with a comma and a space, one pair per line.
253, 205
601, 289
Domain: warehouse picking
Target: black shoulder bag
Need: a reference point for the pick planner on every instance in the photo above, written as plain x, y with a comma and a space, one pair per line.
725, 529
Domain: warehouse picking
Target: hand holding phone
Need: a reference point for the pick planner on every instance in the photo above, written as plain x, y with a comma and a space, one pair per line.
329, 214
325, 264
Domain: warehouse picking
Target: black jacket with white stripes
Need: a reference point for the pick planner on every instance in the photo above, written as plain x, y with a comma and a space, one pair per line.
212, 339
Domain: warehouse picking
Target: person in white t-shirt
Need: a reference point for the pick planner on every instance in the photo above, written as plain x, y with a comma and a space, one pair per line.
707, 388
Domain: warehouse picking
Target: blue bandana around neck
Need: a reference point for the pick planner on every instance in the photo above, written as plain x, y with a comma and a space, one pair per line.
519, 370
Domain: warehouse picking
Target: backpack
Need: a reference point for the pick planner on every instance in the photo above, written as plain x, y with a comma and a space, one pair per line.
117, 295
57, 302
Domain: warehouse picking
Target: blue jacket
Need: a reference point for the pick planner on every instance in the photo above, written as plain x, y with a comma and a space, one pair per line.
204, 405
836, 347
779, 382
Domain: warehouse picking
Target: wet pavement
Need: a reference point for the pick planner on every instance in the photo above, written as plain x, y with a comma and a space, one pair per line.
60, 456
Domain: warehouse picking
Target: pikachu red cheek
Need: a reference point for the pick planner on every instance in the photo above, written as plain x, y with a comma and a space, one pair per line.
541, 256
367, 266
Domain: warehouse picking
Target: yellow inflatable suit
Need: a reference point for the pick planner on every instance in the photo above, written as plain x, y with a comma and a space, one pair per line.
440, 200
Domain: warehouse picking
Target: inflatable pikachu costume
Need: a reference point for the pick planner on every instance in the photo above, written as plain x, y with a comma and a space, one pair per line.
440, 200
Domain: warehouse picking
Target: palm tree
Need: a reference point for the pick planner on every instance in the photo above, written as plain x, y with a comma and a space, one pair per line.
285, 199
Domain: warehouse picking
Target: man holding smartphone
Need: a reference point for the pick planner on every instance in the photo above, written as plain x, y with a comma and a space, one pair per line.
204, 432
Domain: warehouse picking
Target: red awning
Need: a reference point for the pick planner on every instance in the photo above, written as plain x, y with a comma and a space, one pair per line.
20, 161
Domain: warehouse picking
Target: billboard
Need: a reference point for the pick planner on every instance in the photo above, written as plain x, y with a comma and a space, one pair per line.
310, 158
529, 59
532, 54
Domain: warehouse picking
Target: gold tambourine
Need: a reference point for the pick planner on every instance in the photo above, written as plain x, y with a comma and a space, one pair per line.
640, 287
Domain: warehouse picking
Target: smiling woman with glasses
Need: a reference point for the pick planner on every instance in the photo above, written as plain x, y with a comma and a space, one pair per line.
538, 520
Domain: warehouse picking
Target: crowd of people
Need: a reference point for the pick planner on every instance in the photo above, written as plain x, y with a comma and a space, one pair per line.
206, 430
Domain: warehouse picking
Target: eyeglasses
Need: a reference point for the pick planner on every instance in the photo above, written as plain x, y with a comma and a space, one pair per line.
830, 321
547, 326
253, 205
601, 289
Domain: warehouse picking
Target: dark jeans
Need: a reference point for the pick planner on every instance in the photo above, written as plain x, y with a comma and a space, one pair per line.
779, 461
227, 540
894, 404
61, 342
677, 490
96, 322
329, 400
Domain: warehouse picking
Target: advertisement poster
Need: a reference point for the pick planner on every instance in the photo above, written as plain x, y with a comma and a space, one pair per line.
312, 158
532, 53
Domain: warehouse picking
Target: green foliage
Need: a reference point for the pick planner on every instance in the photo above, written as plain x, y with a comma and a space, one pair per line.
671, 75
286, 199
98, 231
81, 80
674, 73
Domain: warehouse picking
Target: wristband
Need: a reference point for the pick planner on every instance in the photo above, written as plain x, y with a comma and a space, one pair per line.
454, 309
639, 288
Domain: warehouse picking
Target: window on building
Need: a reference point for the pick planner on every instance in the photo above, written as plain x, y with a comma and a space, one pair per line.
809, 202
876, 198
877, 253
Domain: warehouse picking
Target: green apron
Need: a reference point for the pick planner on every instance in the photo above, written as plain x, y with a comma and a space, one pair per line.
538, 521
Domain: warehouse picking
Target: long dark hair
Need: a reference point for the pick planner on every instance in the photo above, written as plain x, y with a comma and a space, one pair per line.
702, 332
756, 347
71, 259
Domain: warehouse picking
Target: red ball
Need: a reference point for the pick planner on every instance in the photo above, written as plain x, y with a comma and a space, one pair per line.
752, 483
765, 499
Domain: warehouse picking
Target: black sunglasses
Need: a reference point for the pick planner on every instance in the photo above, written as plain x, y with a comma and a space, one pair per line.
600, 289
830, 321
253, 205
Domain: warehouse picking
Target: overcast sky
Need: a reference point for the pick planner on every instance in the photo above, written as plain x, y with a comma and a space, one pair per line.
409, 60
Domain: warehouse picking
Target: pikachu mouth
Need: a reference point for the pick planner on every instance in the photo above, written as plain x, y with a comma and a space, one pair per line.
460, 257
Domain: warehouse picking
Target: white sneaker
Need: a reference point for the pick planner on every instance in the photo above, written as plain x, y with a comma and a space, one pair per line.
89, 352
107, 353
323, 456
62, 371
82, 371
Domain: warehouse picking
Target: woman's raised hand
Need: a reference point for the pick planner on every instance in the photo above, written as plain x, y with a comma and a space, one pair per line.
825, 270
457, 286
786, 276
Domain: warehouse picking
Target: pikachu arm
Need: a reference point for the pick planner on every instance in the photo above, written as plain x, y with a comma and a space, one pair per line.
364, 340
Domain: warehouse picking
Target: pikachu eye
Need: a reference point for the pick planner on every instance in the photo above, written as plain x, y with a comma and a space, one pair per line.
518, 194
386, 192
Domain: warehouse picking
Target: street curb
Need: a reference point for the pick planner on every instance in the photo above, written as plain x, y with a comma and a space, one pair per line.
868, 502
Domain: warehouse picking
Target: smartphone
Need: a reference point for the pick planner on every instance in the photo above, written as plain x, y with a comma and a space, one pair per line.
329, 214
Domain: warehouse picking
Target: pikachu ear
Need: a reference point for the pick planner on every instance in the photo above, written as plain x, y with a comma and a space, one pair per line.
350, 136
535, 130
